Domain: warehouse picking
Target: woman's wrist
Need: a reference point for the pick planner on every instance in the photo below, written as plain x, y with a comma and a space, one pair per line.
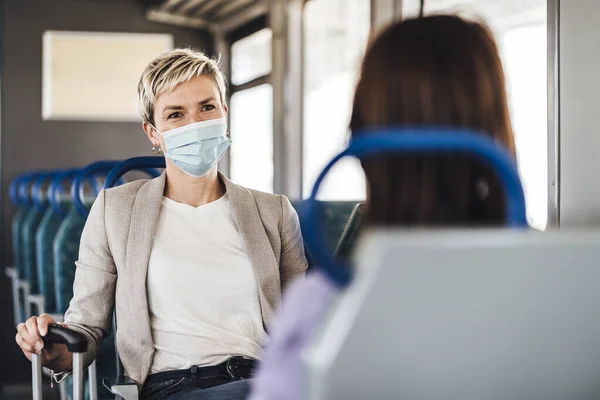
61, 361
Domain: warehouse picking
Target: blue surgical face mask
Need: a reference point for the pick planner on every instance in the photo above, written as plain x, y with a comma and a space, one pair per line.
197, 147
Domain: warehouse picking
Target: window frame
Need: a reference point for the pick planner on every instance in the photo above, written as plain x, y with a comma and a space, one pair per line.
231, 38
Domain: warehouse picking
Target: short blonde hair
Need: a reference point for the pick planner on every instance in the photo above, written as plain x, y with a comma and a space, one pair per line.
167, 71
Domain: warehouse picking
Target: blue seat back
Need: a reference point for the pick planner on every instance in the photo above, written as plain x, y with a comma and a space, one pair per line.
25, 205
47, 231
19, 195
66, 251
17, 217
29, 230
335, 216
347, 243
66, 241
415, 140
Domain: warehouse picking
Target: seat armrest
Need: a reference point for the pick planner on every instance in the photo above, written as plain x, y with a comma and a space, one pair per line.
39, 302
23, 287
11, 272
122, 386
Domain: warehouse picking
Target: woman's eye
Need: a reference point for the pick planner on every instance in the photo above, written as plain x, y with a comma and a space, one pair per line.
174, 115
208, 107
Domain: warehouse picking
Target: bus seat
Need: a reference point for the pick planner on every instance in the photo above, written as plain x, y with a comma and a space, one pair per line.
463, 295
66, 243
335, 216
464, 314
44, 238
14, 271
59, 205
66, 252
28, 240
349, 238
19, 247
17, 223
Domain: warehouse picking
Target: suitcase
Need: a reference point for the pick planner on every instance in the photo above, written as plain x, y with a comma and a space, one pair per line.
77, 344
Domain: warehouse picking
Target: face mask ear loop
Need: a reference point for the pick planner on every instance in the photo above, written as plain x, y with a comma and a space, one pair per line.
155, 130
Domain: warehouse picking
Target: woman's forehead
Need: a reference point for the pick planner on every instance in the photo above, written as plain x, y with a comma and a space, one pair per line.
196, 89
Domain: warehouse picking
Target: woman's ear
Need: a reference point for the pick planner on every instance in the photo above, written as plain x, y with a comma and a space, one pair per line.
150, 132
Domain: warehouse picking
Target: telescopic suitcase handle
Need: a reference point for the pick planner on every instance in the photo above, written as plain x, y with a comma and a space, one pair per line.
77, 344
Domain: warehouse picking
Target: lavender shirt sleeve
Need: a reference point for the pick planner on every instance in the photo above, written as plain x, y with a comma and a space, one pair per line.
304, 307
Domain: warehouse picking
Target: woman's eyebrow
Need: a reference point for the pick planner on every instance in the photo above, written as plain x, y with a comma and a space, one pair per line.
207, 100
169, 108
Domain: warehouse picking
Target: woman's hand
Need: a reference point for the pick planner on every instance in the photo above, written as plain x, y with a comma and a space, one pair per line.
29, 338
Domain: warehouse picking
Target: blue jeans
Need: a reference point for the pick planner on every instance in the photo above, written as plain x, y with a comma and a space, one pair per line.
228, 380
218, 388
236, 390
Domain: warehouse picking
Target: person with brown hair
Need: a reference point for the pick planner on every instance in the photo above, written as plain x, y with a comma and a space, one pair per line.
437, 71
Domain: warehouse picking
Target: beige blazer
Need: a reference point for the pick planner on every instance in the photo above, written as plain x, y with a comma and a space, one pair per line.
115, 249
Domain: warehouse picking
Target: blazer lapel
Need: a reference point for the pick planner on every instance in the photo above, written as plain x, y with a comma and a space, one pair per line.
144, 217
258, 247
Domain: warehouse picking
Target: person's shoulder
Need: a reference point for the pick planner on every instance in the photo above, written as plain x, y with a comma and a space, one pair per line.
275, 204
269, 205
260, 198
265, 197
129, 189
127, 193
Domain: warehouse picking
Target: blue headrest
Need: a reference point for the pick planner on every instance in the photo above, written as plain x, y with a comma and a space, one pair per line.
56, 187
82, 176
146, 164
23, 192
13, 191
430, 140
37, 194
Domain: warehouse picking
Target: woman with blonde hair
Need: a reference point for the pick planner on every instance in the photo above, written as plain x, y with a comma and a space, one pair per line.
193, 263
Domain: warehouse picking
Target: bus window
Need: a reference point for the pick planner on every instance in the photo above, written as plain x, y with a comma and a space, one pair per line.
251, 112
251, 57
336, 34
252, 138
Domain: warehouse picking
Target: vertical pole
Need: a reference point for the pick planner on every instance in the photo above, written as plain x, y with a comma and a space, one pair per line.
93, 378
77, 376
285, 21
553, 113
223, 50
36, 371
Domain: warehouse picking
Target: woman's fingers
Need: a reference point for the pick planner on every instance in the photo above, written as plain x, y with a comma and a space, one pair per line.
42, 323
23, 344
32, 329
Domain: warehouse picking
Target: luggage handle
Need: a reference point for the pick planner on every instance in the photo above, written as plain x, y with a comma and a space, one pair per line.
75, 341
77, 344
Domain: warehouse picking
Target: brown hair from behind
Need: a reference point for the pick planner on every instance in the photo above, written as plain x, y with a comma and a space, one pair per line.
436, 71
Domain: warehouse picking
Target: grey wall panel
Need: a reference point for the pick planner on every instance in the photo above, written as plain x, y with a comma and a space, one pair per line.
579, 106
30, 143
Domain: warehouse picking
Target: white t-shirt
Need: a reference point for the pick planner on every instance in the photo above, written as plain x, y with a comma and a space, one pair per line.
202, 291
